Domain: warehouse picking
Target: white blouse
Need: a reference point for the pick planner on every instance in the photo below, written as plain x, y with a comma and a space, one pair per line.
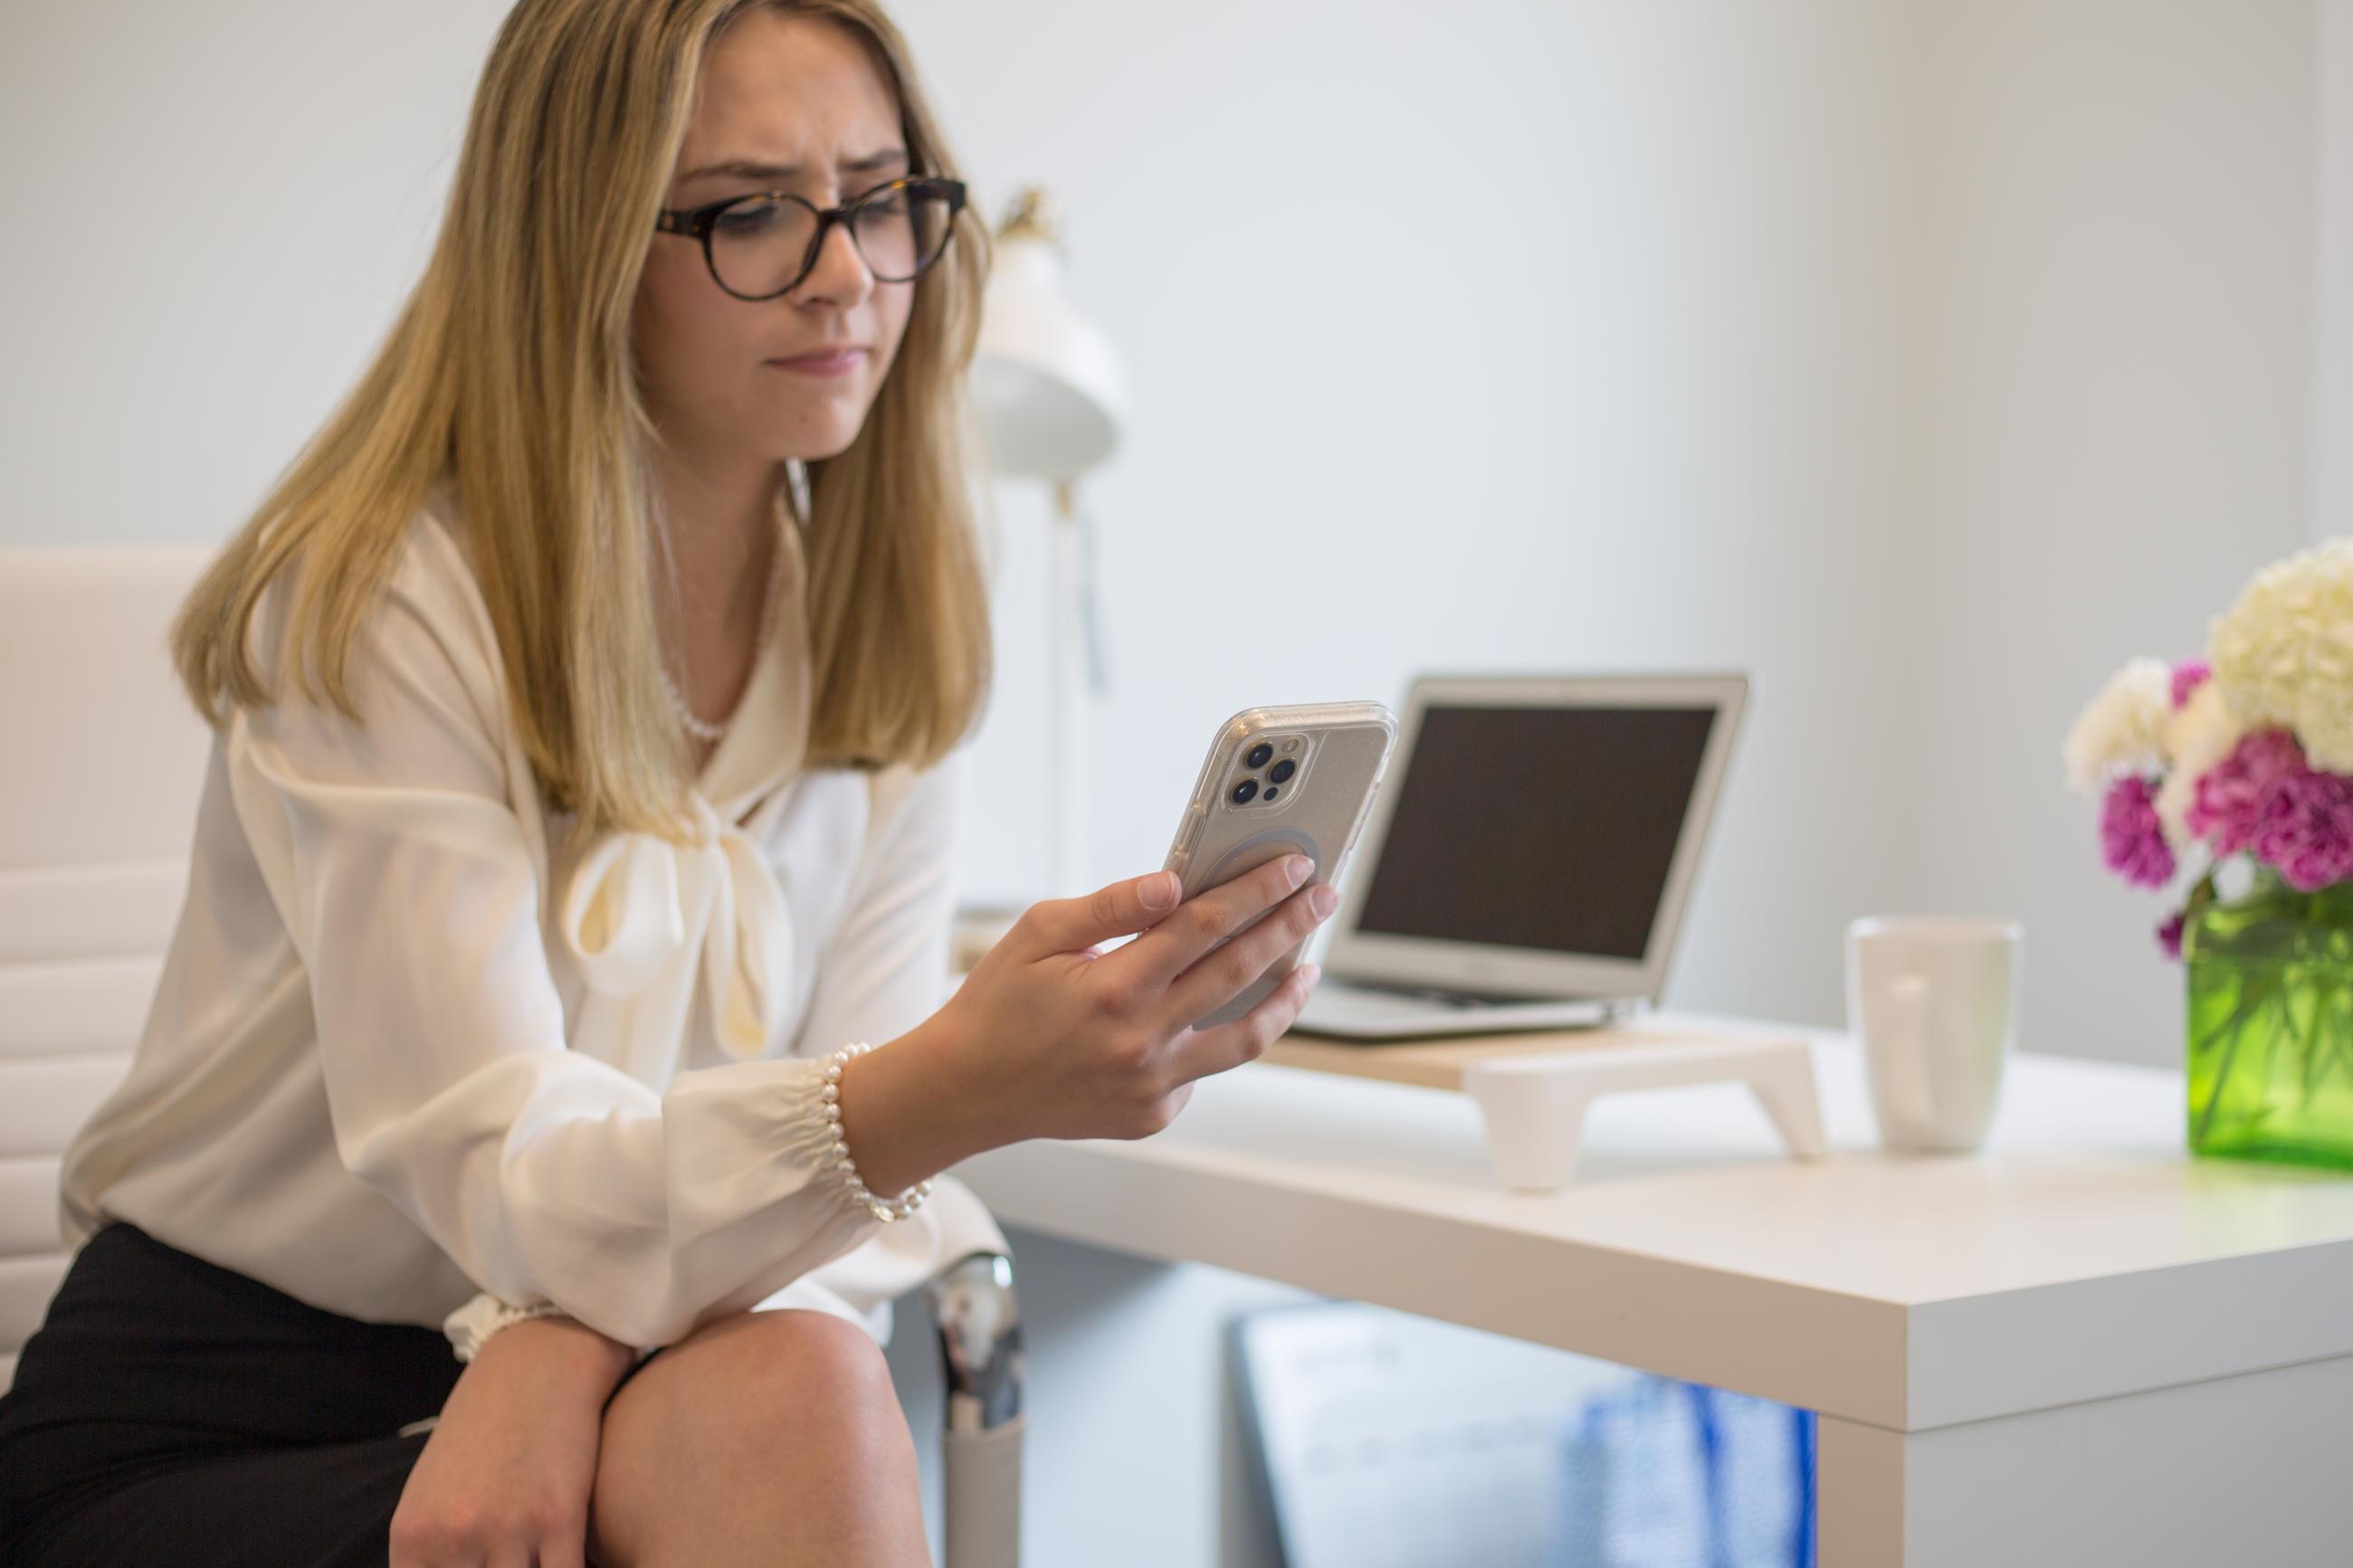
387, 1069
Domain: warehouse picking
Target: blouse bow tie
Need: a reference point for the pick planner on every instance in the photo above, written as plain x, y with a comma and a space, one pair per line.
643, 916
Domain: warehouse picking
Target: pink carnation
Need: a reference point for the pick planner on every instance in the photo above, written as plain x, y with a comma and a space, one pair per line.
2132, 837
2187, 679
2305, 830
2230, 797
2169, 935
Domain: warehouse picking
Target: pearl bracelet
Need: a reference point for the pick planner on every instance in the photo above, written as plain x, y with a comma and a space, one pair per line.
885, 1209
469, 1327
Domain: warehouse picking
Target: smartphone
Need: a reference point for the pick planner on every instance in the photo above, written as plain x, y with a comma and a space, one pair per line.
1278, 780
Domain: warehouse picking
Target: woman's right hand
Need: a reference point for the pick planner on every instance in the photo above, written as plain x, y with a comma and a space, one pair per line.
1061, 1039
506, 1477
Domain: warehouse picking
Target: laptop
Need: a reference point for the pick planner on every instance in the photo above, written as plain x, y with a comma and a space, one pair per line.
1529, 855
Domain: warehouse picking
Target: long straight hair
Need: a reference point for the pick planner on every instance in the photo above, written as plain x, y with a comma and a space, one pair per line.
509, 376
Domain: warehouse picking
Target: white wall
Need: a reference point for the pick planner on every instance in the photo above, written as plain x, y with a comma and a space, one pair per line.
213, 213
1928, 360
2118, 300
1546, 337
2332, 403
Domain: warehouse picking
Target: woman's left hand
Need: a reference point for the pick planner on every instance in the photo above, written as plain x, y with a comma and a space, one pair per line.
505, 1478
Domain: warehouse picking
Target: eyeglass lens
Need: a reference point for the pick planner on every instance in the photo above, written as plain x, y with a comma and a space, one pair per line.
760, 246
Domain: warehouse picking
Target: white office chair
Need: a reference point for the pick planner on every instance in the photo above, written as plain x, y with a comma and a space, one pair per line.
102, 764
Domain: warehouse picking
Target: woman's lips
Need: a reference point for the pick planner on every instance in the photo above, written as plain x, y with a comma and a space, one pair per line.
842, 361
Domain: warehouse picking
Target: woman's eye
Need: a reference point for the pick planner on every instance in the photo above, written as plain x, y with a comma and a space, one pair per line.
748, 220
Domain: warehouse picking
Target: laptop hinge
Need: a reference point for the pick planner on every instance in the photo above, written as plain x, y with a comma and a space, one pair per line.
1456, 998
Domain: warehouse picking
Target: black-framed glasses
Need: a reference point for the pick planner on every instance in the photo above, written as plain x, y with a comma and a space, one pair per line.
763, 243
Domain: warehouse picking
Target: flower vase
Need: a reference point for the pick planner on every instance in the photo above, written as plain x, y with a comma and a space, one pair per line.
2270, 1026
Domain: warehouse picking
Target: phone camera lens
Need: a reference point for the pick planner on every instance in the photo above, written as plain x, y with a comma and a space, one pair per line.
1259, 754
1244, 789
1280, 773
1272, 790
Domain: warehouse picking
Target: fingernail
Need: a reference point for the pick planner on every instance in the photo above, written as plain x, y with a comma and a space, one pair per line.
1159, 892
1313, 972
1324, 899
1297, 868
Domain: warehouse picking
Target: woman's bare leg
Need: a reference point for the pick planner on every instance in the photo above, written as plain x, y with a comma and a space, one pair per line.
771, 1438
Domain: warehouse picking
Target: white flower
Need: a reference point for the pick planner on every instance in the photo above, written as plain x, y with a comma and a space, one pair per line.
2196, 739
2123, 729
2283, 653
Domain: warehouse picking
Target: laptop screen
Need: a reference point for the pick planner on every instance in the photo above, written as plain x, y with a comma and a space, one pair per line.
1537, 827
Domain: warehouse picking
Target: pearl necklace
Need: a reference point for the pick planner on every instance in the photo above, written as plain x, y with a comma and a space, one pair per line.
703, 728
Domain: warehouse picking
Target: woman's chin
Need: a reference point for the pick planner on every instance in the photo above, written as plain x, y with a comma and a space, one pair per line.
812, 449
822, 432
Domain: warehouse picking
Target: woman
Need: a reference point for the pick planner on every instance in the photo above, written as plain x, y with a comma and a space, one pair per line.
516, 1009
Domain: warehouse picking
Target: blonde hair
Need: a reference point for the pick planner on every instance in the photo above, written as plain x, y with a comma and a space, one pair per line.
509, 375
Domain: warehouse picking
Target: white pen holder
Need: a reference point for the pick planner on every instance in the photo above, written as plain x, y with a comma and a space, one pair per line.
1533, 1090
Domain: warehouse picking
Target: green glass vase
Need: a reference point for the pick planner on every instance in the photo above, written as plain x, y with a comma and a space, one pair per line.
2270, 1026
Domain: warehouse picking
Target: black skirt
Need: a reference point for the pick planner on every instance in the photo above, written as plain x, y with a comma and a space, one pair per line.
172, 1411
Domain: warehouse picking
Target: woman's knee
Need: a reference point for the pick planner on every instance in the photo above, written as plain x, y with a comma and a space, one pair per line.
713, 1422
785, 1371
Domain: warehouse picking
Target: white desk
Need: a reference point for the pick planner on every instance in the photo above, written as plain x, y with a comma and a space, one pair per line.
2081, 1348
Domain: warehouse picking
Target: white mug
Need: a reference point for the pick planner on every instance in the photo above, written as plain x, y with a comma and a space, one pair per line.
1935, 1003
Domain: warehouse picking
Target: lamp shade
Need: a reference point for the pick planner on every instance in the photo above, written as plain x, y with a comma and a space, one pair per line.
1048, 385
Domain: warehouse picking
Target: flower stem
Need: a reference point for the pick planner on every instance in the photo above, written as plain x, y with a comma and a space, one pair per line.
2250, 999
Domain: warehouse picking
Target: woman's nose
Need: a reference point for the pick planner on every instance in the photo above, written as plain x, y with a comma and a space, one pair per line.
840, 271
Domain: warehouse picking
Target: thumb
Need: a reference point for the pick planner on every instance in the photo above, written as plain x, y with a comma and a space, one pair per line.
1073, 925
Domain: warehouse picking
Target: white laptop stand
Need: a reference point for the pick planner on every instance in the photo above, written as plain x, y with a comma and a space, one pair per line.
1534, 1107
1533, 1089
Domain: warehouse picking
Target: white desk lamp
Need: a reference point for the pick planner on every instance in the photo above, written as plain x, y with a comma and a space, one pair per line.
1052, 397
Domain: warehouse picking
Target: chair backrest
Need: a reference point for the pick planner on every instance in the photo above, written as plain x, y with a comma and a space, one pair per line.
101, 762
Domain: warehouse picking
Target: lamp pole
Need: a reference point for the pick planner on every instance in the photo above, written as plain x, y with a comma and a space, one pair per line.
1052, 395
1069, 701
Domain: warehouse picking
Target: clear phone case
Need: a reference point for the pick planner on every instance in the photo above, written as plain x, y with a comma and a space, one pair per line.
1336, 753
